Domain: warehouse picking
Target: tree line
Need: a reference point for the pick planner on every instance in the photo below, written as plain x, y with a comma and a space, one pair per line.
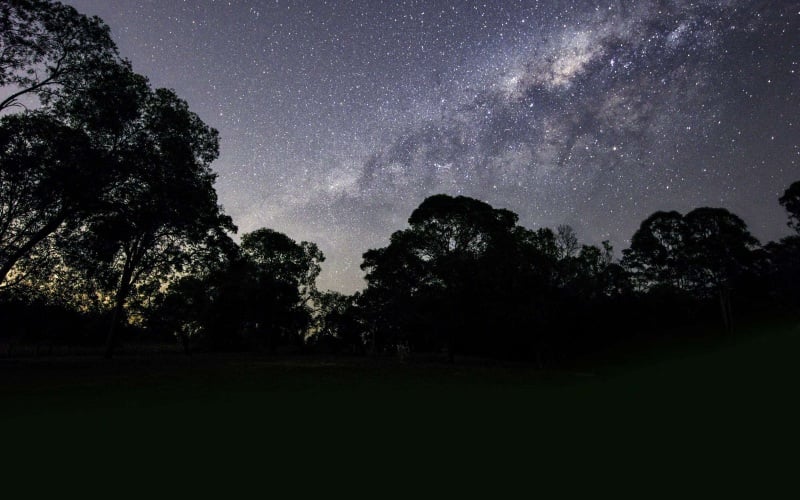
466, 278
110, 224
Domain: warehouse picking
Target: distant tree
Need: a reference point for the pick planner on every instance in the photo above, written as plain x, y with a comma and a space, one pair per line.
336, 324
656, 254
791, 202
719, 250
702, 253
592, 273
277, 255
566, 241
285, 274
257, 295
397, 277
426, 278
783, 257
48, 48
781, 267
189, 308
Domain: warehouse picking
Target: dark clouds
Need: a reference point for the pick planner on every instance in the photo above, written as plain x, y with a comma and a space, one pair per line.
338, 118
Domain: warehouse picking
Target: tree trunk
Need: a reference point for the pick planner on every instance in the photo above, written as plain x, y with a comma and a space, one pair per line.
119, 307
726, 310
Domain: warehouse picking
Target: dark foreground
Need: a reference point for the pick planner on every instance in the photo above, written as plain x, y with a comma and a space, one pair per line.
695, 410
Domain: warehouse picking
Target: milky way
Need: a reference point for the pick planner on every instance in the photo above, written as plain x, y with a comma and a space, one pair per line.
338, 118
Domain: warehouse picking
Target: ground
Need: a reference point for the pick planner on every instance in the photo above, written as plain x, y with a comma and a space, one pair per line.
693, 406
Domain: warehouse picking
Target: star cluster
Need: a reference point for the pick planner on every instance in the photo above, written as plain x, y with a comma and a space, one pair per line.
339, 117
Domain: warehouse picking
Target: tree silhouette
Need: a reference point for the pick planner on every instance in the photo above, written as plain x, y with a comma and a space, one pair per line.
424, 279
790, 200
162, 205
278, 256
720, 249
49, 174
567, 241
47, 48
656, 255
258, 295
285, 274
57, 163
702, 253
336, 323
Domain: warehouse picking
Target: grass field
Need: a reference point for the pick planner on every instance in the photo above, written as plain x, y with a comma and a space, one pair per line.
706, 406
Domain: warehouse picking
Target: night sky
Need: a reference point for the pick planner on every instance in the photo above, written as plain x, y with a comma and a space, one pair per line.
338, 118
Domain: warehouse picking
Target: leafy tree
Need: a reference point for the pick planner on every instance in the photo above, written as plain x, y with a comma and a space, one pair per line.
702, 253
189, 307
782, 266
656, 252
161, 208
425, 278
790, 200
285, 274
48, 48
396, 276
57, 163
592, 273
782, 271
49, 174
257, 295
719, 250
278, 256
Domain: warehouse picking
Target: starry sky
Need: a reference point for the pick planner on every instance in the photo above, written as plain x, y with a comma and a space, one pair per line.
337, 118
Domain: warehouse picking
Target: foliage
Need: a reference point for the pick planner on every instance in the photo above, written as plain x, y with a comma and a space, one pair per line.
337, 326
466, 278
790, 200
258, 297
48, 49
702, 253
49, 174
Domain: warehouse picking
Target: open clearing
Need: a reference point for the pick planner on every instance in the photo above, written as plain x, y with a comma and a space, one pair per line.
706, 406
753, 367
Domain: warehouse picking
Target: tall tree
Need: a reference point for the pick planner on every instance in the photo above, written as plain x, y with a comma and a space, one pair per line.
783, 257
567, 241
719, 248
161, 208
57, 163
335, 321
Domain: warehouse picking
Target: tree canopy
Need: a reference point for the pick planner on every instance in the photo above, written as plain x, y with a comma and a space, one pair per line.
120, 172
49, 173
48, 49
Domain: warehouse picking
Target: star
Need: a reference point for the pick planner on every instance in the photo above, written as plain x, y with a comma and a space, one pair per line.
337, 119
